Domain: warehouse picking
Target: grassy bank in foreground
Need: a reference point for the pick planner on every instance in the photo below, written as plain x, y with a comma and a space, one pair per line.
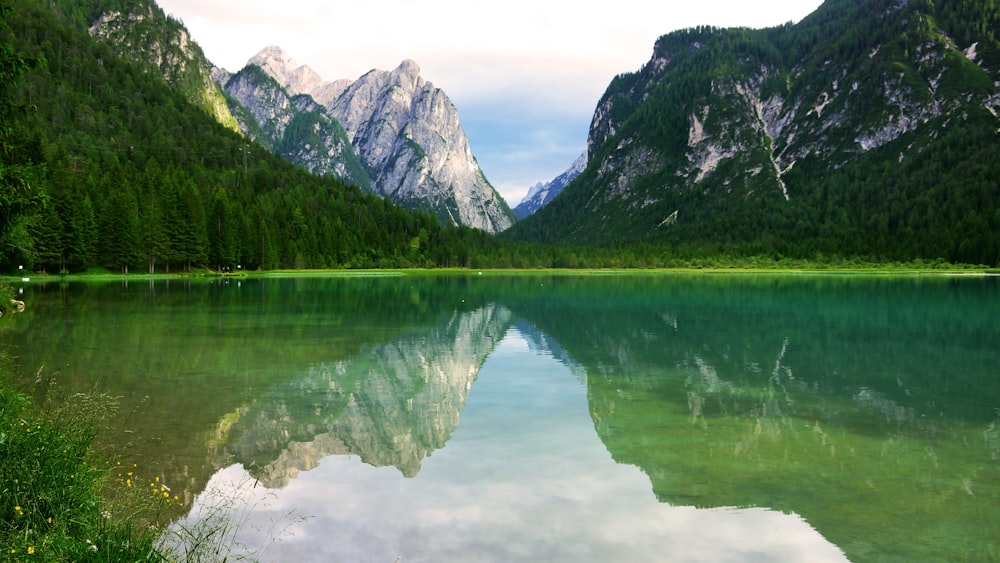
58, 501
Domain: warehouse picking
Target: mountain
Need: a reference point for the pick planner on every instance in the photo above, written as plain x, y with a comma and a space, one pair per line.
405, 131
147, 37
869, 128
292, 125
119, 160
541, 194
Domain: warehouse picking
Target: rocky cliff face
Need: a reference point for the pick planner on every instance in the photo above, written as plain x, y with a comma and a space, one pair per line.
292, 125
542, 193
406, 132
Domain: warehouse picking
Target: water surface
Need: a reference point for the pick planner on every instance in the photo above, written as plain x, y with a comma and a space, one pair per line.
599, 418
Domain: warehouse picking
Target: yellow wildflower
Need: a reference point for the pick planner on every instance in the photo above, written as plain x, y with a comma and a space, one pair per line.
31, 550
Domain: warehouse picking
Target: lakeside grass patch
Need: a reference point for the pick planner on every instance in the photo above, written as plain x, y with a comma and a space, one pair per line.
707, 267
63, 499
57, 501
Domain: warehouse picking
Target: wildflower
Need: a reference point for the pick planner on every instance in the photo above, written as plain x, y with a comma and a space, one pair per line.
18, 510
31, 550
128, 482
166, 494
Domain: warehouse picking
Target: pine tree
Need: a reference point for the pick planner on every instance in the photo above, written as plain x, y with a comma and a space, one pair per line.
20, 181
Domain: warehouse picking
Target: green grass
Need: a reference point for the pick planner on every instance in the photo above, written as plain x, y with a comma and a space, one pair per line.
58, 502
753, 264
62, 498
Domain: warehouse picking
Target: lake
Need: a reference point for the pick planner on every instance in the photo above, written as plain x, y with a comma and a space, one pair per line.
646, 417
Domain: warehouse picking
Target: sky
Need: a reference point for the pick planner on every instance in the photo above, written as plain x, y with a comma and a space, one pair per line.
525, 75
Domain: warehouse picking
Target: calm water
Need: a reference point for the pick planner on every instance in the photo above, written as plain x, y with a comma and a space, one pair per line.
666, 417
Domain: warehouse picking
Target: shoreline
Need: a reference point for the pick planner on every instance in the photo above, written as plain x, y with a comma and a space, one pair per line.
201, 275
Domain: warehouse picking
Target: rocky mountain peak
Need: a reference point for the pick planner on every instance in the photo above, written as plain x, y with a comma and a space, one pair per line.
138, 35
408, 73
408, 134
405, 131
298, 79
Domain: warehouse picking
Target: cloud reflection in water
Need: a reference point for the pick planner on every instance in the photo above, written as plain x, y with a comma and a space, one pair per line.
524, 477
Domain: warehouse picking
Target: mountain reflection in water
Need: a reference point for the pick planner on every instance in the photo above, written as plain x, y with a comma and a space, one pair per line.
523, 478
391, 405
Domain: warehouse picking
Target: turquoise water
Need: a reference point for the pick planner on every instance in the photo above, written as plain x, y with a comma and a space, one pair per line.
649, 417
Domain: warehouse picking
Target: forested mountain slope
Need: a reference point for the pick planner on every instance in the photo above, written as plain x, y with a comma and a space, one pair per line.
135, 174
869, 129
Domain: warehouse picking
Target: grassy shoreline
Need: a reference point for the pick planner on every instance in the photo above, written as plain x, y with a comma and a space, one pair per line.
58, 500
905, 269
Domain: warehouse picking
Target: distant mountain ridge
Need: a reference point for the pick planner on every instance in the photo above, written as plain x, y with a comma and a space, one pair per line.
542, 193
869, 128
405, 132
